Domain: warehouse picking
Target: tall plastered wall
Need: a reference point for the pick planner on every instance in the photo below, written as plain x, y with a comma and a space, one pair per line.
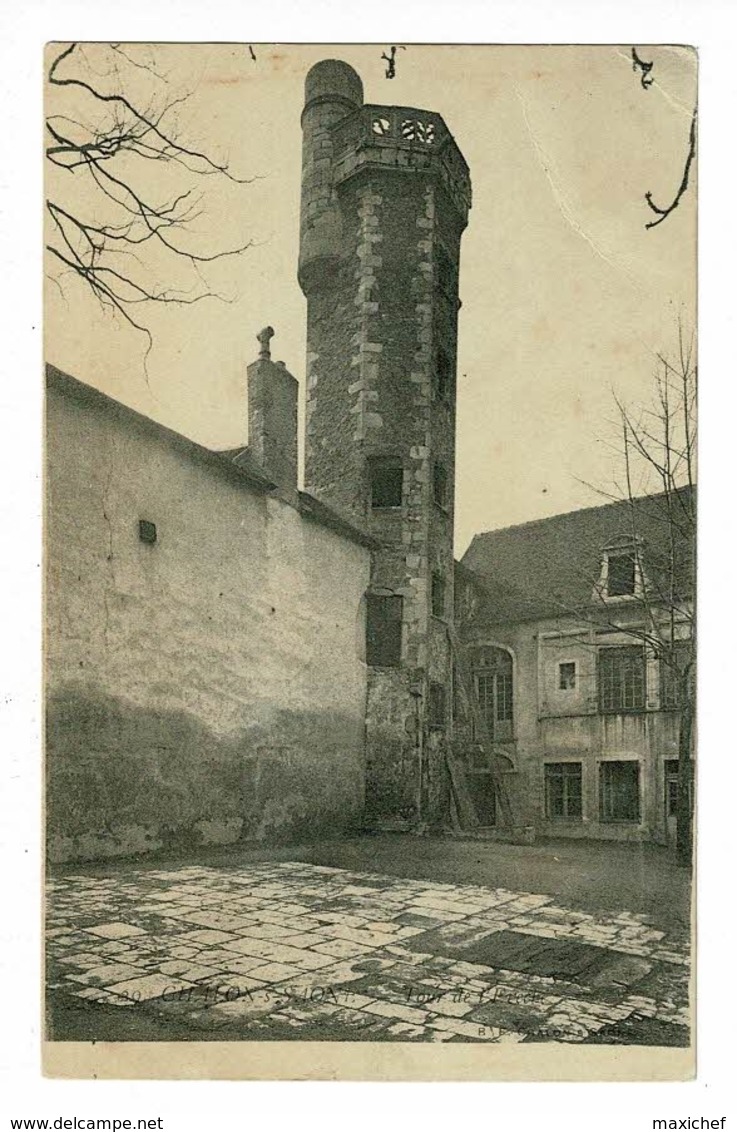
385, 199
206, 688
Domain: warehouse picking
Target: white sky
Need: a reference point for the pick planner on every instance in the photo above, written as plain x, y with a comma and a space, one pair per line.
565, 295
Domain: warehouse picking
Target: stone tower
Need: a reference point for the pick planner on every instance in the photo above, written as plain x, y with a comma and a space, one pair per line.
385, 200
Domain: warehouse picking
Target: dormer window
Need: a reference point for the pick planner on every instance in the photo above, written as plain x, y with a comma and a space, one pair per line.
621, 570
621, 575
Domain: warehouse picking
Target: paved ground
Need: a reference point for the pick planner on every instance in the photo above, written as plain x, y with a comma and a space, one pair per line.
597, 876
293, 949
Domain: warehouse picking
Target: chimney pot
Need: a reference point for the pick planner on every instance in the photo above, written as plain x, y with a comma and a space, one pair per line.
272, 416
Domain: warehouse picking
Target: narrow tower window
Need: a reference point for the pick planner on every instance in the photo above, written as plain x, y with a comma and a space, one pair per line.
446, 272
443, 375
440, 485
384, 630
436, 706
386, 482
438, 595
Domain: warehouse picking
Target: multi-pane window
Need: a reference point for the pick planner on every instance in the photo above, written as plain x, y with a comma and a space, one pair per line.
492, 674
485, 694
621, 574
504, 697
619, 791
436, 706
563, 791
437, 595
672, 668
383, 630
439, 485
621, 679
443, 375
567, 675
671, 787
386, 483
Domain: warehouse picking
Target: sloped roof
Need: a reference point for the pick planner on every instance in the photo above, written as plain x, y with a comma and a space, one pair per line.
549, 567
237, 463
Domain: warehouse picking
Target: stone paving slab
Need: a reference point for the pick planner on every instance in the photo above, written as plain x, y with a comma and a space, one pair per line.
295, 950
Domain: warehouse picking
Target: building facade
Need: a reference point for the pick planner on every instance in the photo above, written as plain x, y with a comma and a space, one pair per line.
577, 659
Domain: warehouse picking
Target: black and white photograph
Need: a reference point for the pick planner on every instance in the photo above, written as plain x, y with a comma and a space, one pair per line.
370, 559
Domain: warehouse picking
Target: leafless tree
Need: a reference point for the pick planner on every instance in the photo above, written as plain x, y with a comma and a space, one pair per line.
655, 488
657, 451
661, 441
113, 227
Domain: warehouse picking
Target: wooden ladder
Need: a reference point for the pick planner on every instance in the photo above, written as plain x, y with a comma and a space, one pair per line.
465, 808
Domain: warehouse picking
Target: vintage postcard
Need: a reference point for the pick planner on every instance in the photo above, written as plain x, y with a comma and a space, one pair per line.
370, 560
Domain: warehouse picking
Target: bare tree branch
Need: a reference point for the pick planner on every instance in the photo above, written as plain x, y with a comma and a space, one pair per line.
107, 138
662, 213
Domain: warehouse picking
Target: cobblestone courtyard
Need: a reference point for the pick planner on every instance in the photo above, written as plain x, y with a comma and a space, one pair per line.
291, 949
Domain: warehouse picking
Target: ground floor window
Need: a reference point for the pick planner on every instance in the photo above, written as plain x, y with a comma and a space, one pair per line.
619, 791
563, 791
672, 786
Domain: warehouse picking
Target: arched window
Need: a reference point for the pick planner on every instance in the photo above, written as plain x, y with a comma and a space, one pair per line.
492, 681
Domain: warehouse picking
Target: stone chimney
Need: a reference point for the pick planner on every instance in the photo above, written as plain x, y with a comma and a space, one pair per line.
272, 416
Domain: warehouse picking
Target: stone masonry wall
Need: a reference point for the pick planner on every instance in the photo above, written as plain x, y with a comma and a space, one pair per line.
381, 403
377, 219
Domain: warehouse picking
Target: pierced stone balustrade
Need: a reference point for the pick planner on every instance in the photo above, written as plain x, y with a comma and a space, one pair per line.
401, 137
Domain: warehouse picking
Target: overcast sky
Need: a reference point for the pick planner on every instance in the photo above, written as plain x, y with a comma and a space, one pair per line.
566, 296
